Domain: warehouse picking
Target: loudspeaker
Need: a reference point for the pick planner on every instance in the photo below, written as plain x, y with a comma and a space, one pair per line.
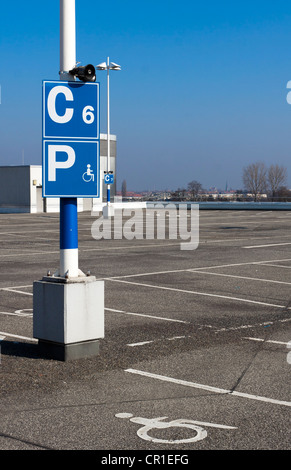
85, 74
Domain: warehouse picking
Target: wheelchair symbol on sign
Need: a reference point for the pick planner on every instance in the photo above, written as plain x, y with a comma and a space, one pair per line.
88, 175
158, 423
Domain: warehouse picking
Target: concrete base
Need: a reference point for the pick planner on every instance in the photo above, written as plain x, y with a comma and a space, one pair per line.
108, 211
66, 352
68, 316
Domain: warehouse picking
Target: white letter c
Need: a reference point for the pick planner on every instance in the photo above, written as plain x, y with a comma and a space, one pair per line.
51, 104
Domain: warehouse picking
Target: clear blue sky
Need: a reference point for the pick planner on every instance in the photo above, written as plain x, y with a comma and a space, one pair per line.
201, 94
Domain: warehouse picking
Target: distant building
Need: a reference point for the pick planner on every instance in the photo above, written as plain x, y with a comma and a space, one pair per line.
21, 186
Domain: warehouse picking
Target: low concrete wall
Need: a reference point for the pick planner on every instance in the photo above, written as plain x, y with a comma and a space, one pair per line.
235, 205
268, 206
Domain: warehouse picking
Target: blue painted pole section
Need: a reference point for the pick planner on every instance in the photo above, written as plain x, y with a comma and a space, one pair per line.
68, 223
108, 194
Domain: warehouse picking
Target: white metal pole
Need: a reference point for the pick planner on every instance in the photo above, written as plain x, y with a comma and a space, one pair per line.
108, 131
67, 38
68, 206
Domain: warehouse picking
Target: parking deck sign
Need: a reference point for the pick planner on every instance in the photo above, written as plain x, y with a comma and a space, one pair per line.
109, 178
71, 139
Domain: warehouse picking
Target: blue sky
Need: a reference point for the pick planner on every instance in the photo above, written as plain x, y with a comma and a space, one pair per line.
202, 91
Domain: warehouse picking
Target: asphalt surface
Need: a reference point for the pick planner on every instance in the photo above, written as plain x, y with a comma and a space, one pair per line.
197, 338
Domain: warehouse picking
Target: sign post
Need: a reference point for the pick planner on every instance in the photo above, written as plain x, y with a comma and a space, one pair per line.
68, 209
71, 157
109, 178
68, 307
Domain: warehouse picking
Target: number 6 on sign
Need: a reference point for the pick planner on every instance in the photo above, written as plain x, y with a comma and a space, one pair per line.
88, 116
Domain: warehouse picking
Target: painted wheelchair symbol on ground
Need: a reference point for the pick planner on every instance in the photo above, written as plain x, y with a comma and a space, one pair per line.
158, 423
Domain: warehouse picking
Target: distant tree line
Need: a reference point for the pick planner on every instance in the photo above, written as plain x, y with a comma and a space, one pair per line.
258, 179
192, 192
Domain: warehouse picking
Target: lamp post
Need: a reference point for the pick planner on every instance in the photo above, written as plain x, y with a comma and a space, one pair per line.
108, 66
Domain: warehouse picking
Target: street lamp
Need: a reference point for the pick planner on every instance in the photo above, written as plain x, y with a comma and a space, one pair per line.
108, 66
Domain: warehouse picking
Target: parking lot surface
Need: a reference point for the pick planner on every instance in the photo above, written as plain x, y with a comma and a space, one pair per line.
196, 354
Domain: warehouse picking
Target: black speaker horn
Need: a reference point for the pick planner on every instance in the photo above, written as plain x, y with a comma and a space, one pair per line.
85, 74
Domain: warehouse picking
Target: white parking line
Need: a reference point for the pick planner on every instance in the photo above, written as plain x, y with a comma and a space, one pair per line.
16, 314
36, 231
255, 325
10, 289
31, 253
267, 246
239, 239
10, 335
133, 247
208, 388
196, 269
241, 277
16, 291
145, 315
15, 287
152, 273
277, 266
239, 223
237, 299
250, 263
139, 344
267, 341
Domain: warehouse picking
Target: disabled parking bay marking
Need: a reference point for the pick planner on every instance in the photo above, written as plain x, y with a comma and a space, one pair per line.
159, 423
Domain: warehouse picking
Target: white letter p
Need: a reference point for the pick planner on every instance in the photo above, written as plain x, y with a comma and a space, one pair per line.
53, 164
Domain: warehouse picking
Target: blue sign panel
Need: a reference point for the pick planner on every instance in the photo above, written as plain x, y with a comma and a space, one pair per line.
70, 168
71, 110
109, 178
71, 145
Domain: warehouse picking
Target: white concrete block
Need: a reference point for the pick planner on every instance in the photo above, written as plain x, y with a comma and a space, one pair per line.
69, 311
108, 211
